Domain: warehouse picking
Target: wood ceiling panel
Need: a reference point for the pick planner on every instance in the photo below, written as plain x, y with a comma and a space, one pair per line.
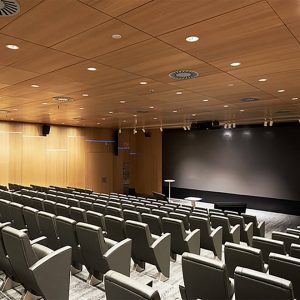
115, 7
51, 22
158, 17
98, 40
9, 75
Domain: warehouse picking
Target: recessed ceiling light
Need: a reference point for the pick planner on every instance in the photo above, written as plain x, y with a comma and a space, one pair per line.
193, 115
154, 118
281, 91
35, 85
242, 110
294, 98
143, 82
178, 93
81, 108
12, 119
98, 123
124, 121
85, 95
103, 119
192, 39
116, 36
15, 109
45, 103
111, 112
262, 79
226, 105
151, 107
205, 100
91, 69
235, 64
230, 84
12, 47
122, 101
174, 111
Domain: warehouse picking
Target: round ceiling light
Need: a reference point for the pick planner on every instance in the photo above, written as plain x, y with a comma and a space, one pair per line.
9, 8
192, 39
183, 74
63, 99
12, 47
116, 36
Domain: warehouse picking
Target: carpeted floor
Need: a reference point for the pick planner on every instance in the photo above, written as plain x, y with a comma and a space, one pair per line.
80, 290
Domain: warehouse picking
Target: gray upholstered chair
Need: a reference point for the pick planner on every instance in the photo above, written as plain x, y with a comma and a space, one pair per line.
96, 219
286, 267
198, 213
61, 199
32, 222
132, 215
295, 250
258, 227
128, 206
267, 246
41, 271
78, 214
154, 223
50, 207
47, 224
26, 200
5, 215
293, 231
246, 231
115, 228
119, 286
287, 238
17, 217
148, 248
100, 254
204, 278
210, 239
143, 209
243, 256
37, 203
62, 210
230, 234
184, 218
72, 202
10, 279
181, 240
251, 284
66, 230
160, 213
114, 211
86, 205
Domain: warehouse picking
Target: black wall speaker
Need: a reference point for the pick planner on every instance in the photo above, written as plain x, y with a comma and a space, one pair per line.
45, 129
147, 134
116, 142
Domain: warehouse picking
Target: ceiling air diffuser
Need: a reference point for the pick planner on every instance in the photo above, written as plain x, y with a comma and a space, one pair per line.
9, 8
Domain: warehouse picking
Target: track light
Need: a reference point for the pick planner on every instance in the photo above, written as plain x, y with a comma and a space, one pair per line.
184, 128
143, 129
265, 123
120, 130
233, 125
271, 122
188, 127
229, 125
225, 125
134, 131
161, 129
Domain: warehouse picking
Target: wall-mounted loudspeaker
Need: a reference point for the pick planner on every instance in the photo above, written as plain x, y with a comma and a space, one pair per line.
116, 142
45, 129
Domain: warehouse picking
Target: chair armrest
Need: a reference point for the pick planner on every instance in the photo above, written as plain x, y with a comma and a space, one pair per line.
118, 257
193, 241
217, 236
42, 240
236, 233
261, 227
52, 274
162, 251
249, 231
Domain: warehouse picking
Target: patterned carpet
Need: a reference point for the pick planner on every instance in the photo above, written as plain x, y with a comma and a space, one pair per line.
168, 290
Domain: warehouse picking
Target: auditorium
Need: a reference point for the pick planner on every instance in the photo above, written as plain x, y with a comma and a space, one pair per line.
149, 149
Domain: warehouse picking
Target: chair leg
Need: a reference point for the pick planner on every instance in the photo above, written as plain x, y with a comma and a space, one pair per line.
29, 296
93, 280
161, 277
8, 284
173, 256
140, 266
74, 270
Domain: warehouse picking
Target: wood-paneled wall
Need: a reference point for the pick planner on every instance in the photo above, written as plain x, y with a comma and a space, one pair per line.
73, 156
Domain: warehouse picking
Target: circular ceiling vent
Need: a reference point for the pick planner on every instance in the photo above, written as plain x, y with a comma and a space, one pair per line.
248, 99
9, 8
142, 111
63, 99
184, 74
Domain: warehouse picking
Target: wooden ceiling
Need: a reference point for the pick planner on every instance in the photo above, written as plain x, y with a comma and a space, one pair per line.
59, 39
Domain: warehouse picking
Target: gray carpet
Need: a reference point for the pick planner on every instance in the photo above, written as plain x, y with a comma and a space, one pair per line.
79, 290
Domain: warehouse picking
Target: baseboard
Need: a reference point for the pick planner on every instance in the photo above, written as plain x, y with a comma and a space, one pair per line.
262, 203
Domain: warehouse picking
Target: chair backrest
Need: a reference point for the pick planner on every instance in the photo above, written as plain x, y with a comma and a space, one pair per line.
21, 255
295, 250
114, 211
251, 284
213, 273
119, 286
160, 213
62, 210
132, 215
78, 214
96, 219
31, 220
61, 199
5, 215
217, 221
50, 206
73, 202
182, 217
86, 205
37, 203
115, 228
287, 238
243, 256
47, 223
288, 268
267, 246
100, 208
154, 223
18, 220
51, 197
205, 230
143, 209
26, 200
236, 220
250, 219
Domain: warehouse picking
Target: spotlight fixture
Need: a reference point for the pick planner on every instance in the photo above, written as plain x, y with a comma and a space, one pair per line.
262, 79
91, 69
143, 129
229, 125
294, 98
116, 36
120, 130
235, 64
184, 127
226, 106
188, 127
233, 125
134, 131
178, 93
143, 82
161, 129
192, 39
35, 85
281, 91
271, 123
122, 101
225, 125
265, 123
12, 47
85, 95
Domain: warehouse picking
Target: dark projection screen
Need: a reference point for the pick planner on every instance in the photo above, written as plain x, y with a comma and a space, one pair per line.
263, 162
